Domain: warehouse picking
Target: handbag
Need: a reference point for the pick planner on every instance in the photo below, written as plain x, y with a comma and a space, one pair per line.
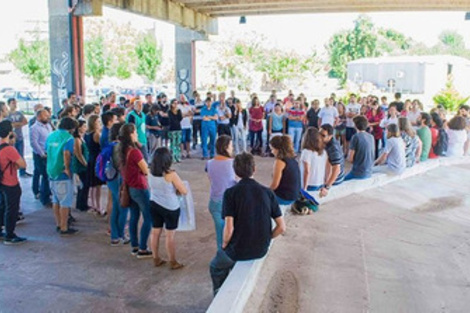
124, 196
305, 204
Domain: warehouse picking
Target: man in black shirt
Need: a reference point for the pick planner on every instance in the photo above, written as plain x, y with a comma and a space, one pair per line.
335, 158
398, 103
312, 114
163, 118
244, 239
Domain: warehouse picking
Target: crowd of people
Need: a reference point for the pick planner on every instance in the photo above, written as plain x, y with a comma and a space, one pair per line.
131, 147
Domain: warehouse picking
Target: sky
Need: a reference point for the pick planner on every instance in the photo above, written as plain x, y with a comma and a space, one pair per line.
301, 33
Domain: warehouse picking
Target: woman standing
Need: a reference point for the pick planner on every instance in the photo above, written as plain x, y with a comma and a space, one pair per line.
221, 176
314, 160
375, 116
256, 126
286, 173
92, 139
340, 128
295, 124
118, 214
134, 172
239, 127
175, 116
277, 122
165, 185
80, 165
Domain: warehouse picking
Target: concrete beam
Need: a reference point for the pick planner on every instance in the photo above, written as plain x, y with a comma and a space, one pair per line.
170, 11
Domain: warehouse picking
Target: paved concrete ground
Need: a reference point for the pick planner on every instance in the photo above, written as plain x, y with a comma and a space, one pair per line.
401, 248
84, 274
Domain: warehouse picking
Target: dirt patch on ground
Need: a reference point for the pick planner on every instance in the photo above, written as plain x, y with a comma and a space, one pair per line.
440, 204
282, 295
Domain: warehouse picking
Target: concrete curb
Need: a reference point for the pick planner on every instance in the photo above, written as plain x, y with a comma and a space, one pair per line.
236, 290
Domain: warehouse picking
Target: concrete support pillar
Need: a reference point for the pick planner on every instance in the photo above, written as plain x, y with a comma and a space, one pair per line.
66, 51
185, 60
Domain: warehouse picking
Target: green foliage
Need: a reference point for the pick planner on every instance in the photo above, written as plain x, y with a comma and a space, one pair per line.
32, 59
346, 46
452, 40
149, 57
450, 98
97, 61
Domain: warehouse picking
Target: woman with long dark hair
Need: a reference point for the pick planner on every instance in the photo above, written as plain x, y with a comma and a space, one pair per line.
255, 126
134, 172
92, 139
221, 176
375, 116
80, 165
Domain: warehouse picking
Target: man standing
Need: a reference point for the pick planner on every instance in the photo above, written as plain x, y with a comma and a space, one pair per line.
244, 203
18, 120
398, 103
108, 119
59, 150
137, 117
163, 118
148, 104
198, 104
38, 136
361, 151
10, 189
312, 114
328, 114
353, 109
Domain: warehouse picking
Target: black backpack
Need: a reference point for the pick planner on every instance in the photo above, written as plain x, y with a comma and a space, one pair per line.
440, 148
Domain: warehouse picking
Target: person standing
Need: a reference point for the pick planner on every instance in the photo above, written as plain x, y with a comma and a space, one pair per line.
175, 116
163, 118
361, 151
137, 117
328, 115
239, 121
92, 140
38, 136
312, 114
223, 123
352, 109
59, 149
18, 120
152, 124
187, 111
256, 126
295, 119
134, 170
375, 116
243, 239
221, 176
197, 118
80, 166
397, 102
10, 189
208, 129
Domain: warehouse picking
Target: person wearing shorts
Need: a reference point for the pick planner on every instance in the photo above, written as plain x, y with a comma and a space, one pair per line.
59, 147
165, 185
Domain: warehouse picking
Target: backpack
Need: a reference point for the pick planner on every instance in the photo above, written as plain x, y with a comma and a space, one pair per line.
3, 145
442, 143
104, 168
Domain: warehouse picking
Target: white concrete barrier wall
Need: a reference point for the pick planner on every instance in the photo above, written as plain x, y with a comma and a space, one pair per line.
236, 290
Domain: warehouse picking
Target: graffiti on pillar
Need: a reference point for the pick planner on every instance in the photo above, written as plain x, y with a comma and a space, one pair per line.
183, 86
60, 68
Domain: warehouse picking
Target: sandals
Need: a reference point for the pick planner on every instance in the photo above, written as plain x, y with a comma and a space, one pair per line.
175, 265
158, 262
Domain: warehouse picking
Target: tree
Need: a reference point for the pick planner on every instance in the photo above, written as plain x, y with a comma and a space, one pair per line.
452, 40
449, 97
32, 59
97, 62
346, 46
149, 57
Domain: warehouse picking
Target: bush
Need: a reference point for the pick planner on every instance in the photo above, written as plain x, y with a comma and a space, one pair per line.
450, 98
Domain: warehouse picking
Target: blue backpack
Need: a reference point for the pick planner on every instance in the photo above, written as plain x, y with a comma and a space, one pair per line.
104, 168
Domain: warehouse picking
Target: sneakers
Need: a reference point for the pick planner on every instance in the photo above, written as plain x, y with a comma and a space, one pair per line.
125, 240
134, 251
144, 254
69, 232
115, 242
26, 174
14, 241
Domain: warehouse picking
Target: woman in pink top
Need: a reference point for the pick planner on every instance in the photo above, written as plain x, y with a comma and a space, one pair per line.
256, 126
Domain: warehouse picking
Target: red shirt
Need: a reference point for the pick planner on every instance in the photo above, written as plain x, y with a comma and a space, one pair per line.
8, 158
434, 136
132, 174
256, 114
377, 131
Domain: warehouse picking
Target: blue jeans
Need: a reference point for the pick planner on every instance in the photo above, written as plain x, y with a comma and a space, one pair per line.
351, 176
140, 202
209, 129
314, 188
220, 267
118, 215
19, 145
296, 134
41, 186
215, 207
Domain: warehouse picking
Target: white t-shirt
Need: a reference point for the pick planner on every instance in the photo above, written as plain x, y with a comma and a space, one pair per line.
388, 121
352, 108
328, 115
396, 158
317, 167
456, 143
186, 121
413, 116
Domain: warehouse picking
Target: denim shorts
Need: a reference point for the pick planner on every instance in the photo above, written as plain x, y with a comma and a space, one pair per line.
62, 192
186, 135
